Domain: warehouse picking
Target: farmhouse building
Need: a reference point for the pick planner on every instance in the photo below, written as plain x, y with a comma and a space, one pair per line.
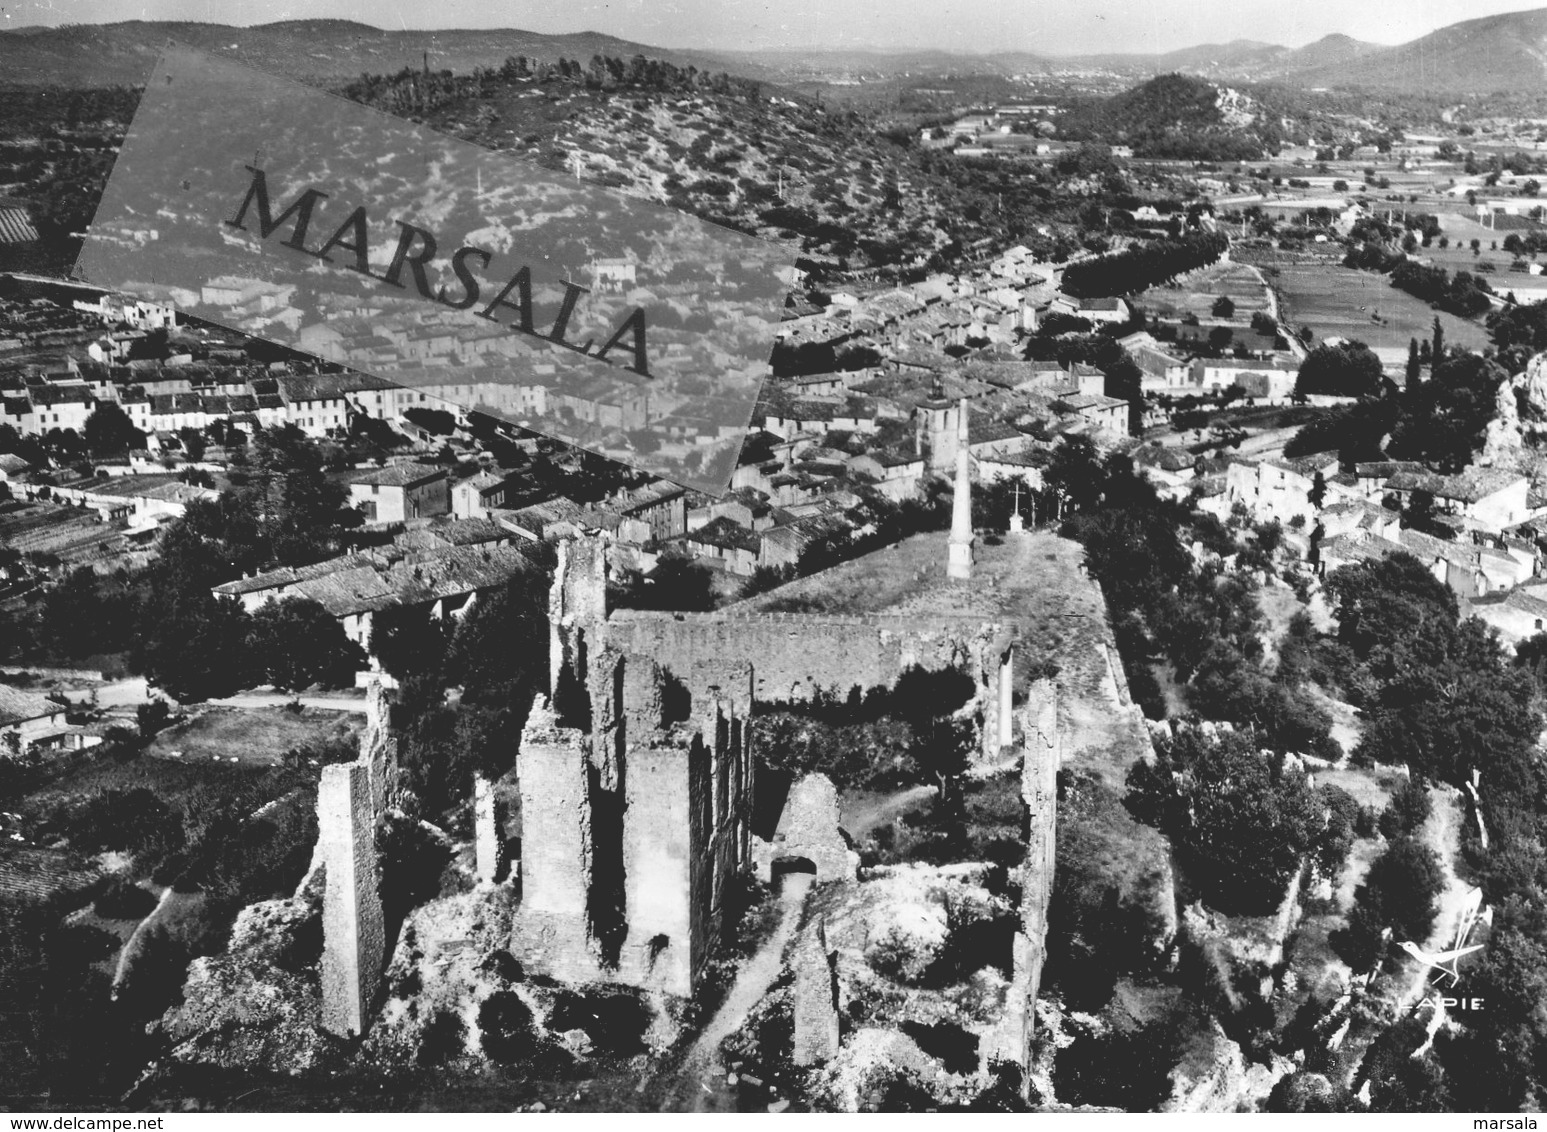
400, 492
1278, 490
28, 720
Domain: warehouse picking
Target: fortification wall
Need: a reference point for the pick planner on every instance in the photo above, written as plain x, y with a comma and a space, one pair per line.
354, 934
795, 655
1039, 790
1043, 753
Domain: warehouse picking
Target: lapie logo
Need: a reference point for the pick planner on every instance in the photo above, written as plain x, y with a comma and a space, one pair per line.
1445, 962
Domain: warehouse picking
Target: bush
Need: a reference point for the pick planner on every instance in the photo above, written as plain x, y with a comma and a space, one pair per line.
615, 1021
1399, 894
1343, 822
444, 1038
1243, 822
1408, 809
505, 1024
152, 717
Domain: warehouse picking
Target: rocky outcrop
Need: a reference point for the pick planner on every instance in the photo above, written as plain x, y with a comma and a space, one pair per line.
871, 1061
257, 1006
1531, 385
906, 938
1211, 1076
1504, 436
1520, 414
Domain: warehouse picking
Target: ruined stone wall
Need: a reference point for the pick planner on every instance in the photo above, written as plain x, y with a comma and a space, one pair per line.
663, 823
551, 934
1011, 1040
794, 657
1039, 790
686, 834
808, 828
816, 1006
354, 934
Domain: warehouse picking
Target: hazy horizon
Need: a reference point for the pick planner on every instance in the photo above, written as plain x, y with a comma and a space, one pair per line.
1047, 27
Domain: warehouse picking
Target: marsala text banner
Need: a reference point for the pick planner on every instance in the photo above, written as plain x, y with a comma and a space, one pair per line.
445, 275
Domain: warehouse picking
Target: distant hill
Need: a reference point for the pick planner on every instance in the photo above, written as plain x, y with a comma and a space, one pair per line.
1494, 53
1328, 51
326, 52
1177, 116
1241, 55
1482, 56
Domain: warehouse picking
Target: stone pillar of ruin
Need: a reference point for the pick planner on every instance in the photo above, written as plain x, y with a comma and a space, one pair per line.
1007, 698
551, 935
488, 832
353, 931
378, 746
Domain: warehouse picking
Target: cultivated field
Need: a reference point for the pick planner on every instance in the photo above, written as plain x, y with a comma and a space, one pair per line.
1342, 302
1197, 294
71, 535
252, 737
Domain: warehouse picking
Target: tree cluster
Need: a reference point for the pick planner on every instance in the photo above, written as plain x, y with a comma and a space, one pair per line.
1462, 294
1349, 369
1244, 821
1138, 268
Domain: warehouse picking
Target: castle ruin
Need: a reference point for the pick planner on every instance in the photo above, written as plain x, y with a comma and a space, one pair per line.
636, 776
636, 771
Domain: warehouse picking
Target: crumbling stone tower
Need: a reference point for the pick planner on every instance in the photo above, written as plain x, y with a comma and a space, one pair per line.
551, 932
635, 789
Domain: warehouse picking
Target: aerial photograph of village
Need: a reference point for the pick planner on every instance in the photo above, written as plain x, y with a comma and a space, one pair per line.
731, 558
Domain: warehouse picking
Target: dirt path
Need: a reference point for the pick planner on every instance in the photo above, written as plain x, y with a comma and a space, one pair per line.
868, 813
1346, 724
701, 1078
1442, 833
130, 947
1399, 987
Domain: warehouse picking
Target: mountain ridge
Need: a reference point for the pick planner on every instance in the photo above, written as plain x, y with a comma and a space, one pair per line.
1503, 52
